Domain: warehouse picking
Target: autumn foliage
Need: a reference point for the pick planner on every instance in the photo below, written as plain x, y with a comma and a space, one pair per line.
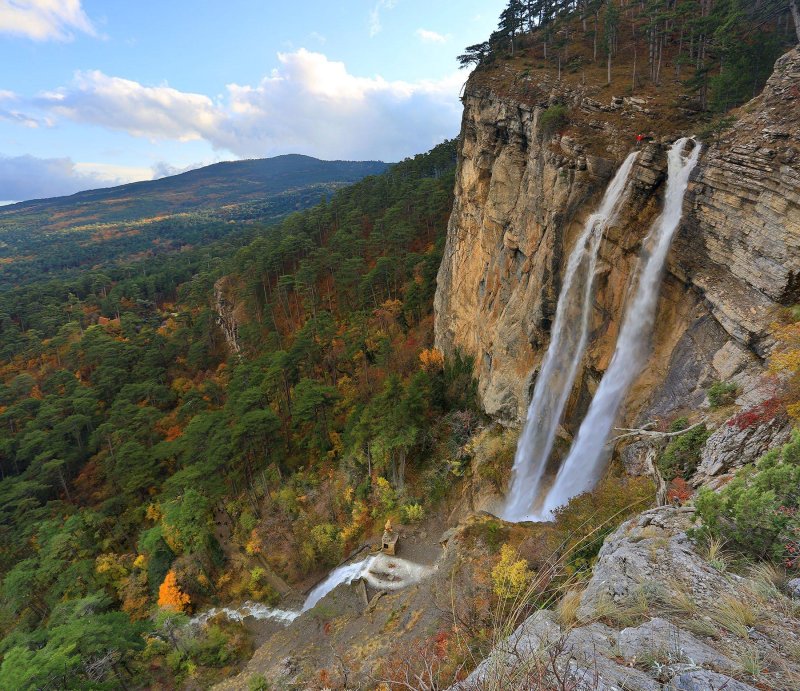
431, 360
170, 595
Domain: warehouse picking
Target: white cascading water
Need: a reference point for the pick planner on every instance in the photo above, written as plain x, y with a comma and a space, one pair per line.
560, 365
586, 460
344, 574
380, 571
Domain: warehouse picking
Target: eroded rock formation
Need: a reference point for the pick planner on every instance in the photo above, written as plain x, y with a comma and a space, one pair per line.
521, 198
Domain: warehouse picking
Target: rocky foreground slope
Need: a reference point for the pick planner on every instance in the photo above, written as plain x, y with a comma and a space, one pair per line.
656, 615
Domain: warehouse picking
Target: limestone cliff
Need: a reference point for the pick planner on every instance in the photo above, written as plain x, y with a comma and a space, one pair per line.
522, 197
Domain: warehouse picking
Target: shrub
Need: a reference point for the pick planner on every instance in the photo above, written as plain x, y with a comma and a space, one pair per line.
757, 415
326, 543
757, 512
259, 587
413, 513
258, 682
491, 533
553, 119
385, 497
493, 451
722, 393
511, 575
682, 454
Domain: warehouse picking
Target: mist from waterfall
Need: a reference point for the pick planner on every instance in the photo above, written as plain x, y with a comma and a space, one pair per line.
587, 458
567, 344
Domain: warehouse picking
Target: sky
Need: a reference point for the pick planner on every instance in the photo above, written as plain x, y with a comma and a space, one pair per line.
101, 92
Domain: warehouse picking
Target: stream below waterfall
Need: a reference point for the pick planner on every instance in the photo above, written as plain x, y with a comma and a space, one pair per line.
380, 571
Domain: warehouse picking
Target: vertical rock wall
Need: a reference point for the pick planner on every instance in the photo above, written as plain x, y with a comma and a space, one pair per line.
522, 197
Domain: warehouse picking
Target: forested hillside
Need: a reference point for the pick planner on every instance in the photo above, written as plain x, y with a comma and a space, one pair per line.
87, 229
720, 53
143, 463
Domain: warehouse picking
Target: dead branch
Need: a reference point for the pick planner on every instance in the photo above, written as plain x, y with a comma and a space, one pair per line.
649, 433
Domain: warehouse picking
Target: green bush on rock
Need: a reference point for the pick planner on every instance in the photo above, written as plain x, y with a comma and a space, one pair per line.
757, 512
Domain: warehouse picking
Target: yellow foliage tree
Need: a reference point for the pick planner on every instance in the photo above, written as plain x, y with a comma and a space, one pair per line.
170, 595
511, 575
785, 362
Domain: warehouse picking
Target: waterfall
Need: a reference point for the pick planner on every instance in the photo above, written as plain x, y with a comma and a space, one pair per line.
561, 361
344, 574
586, 460
380, 571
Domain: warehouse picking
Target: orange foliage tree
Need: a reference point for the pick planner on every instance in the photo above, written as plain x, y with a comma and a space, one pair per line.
170, 595
785, 362
431, 359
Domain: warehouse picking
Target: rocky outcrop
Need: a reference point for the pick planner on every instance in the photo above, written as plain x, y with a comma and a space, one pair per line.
741, 240
522, 196
650, 572
733, 446
228, 313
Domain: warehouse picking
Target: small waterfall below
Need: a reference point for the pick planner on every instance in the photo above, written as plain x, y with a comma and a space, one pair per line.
586, 460
380, 571
344, 574
560, 365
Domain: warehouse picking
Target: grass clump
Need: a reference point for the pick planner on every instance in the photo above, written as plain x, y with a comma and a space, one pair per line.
567, 608
737, 615
752, 662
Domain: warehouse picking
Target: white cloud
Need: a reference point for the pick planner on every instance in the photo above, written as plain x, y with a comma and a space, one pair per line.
28, 177
149, 111
309, 104
43, 20
162, 169
8, 113
375, 25
431, 36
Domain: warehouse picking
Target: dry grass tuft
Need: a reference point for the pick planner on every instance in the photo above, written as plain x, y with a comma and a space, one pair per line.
715, 554
736, 615
567, 608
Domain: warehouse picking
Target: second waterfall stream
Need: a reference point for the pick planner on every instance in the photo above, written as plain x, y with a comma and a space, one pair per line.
586, 460
567, 344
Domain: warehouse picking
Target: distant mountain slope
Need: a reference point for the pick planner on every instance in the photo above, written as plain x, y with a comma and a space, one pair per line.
97, 226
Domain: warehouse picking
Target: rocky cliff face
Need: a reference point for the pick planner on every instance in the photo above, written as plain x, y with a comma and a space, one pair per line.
522, 197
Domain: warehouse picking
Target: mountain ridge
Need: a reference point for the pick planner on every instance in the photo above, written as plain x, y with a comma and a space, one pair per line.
153, 216
139, 184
